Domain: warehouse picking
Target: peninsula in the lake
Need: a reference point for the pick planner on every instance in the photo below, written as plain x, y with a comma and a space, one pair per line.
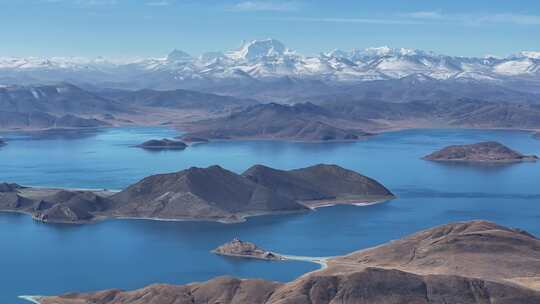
453, 263
212, 194
243, 249
163, 144
488, 152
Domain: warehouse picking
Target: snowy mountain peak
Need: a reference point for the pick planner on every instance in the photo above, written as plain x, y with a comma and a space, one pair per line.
337, 53
257, 49
388, 51
529, 54
178, 55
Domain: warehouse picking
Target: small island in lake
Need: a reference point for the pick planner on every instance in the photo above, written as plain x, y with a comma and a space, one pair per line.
2, 142
210, 194
163, 144
489, 152
238, 248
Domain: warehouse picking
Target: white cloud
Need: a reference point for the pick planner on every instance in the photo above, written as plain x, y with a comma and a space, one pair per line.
475, 19
358, 20
96, 2
423, 15
247, 6
511, 18
431, 17
158, 3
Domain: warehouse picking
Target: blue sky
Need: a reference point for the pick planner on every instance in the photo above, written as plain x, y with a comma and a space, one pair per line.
124, 28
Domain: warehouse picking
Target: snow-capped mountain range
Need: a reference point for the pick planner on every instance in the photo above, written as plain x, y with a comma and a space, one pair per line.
267, 59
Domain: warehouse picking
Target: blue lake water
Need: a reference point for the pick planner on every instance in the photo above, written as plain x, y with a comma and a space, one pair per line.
51, 259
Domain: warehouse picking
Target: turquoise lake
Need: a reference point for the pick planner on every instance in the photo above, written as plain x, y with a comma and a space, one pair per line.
51, 259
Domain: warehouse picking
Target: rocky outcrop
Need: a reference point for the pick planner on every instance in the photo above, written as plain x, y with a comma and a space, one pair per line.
490, 151
9, 187
243, 249
403, 271
163, 144
300, 122
53, 205
70, 207
328, 183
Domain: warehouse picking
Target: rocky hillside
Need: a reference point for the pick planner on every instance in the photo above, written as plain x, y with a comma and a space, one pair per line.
480, 152
211, 193
54, 205
328, 183
447, 264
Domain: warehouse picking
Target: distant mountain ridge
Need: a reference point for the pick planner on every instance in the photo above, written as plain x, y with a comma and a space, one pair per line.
267, 59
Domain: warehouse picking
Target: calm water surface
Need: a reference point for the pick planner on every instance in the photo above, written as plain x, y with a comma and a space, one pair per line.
50, 259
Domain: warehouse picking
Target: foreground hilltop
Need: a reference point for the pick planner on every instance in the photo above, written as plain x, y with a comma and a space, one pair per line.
453, 263
211, 193
489, 151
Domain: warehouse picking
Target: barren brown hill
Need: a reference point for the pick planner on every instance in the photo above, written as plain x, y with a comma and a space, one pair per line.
481, 152
328, 183
469, 263
211, 193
